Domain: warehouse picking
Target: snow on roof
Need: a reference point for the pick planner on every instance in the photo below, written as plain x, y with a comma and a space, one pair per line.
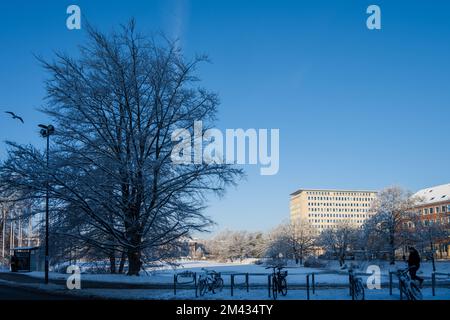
434, 194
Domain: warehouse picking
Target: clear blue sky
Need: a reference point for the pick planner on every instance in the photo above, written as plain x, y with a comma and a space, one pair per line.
355, 108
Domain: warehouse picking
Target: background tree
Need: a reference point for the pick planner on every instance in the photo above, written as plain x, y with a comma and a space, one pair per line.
294, 239
235, 245
429, 233
338, 240
392, 208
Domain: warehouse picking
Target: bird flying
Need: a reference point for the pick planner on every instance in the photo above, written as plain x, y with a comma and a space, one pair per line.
14, 116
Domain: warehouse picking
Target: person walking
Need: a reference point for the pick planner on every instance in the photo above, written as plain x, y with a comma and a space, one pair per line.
414, 264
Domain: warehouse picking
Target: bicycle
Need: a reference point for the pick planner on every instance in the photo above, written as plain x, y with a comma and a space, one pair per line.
210, 281
356, 286
408, 286
279, 283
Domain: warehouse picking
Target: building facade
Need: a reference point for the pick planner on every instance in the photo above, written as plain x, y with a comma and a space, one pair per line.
433, 204
433, 207
326, 209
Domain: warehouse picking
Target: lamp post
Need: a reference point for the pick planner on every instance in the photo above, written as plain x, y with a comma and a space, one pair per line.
46, 132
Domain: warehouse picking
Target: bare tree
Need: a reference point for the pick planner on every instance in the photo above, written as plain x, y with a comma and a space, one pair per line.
299, 238
338, 240
393, 207
278, 245
233, 245
429, 233
114, 108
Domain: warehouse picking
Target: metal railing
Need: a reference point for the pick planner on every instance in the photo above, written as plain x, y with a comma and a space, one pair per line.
177, 284
433, 280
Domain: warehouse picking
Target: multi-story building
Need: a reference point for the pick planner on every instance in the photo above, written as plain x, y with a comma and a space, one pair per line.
433, 204
326, 209
433, 207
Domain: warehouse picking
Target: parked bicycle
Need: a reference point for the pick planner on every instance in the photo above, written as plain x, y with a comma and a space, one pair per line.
356, 286
407, 286
279, 283
210, 281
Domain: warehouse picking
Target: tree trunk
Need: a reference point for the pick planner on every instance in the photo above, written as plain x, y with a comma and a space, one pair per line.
122, 262
134, 262
432, 256
392, 247
341, 260
301, 256
112, 262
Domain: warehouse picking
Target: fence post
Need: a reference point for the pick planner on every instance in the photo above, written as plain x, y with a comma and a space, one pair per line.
307, 287
313, 283
433, 283
195, 284
246, 281
174, 284
232, 284
390, 283
350, 284
268, 283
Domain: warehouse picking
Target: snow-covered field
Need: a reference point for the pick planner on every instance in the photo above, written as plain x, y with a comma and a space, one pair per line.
259, 294
331, 281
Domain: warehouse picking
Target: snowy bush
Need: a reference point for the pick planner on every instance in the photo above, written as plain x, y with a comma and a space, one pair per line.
313, 262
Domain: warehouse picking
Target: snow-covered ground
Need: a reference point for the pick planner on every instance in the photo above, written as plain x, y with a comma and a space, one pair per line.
331, 281
330, 274
258, 294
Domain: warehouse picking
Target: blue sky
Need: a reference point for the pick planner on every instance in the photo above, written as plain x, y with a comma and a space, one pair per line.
356, 108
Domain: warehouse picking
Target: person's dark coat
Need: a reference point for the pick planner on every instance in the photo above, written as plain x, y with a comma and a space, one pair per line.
414, 259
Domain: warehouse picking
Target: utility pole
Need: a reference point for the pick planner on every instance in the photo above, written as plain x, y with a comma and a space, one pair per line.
46, 132
3, 231
30, 230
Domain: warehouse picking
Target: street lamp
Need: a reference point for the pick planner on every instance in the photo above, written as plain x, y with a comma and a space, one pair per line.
46, 132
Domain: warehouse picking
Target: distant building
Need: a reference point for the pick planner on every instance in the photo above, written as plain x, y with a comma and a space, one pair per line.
434, 204
434, 207
326, 209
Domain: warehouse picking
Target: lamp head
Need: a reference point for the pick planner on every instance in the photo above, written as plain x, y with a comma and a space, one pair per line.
46, 130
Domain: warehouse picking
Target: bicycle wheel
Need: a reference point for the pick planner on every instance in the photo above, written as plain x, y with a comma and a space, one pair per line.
274, 288
283, 287
359, 290
414, 292
218, 285
405, 291
202, 286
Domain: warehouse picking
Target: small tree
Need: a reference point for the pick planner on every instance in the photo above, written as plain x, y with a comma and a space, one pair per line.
338, 240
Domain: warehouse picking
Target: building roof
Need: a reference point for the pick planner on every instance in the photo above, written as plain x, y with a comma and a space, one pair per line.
330, 190
434, 194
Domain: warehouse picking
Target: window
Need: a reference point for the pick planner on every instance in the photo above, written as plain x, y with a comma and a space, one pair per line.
431, 210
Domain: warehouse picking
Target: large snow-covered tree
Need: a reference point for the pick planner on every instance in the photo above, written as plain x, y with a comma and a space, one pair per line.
392, 208
112, 181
